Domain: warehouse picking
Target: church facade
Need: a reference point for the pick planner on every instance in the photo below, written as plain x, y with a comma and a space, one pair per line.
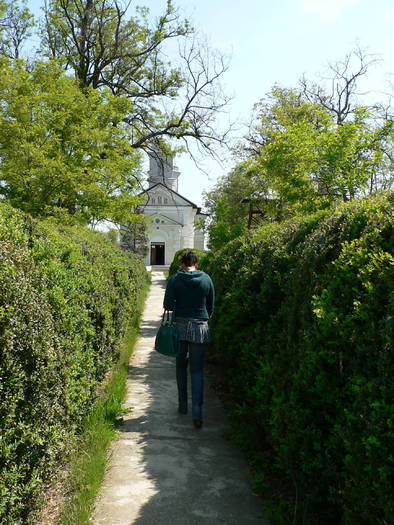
174, 222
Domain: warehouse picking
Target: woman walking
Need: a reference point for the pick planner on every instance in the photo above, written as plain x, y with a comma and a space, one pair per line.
190, 295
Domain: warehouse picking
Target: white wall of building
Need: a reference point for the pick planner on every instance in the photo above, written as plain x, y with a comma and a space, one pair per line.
172, 217
167, 234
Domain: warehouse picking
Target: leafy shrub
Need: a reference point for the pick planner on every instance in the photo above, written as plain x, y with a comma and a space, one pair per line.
66, 297
304, 330
203, 257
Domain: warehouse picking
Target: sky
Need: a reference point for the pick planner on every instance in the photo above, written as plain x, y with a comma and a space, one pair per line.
276, 42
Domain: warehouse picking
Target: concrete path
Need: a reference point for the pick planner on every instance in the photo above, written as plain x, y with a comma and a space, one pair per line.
162, 470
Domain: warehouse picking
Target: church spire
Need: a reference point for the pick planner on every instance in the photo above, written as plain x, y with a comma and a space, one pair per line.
163, 170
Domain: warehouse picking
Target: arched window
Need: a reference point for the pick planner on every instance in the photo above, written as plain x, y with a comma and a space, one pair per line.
165, 200
159, 200
152, 200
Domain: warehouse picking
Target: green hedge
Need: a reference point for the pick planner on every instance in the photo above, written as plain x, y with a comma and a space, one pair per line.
304, 330
203, 259
66, 297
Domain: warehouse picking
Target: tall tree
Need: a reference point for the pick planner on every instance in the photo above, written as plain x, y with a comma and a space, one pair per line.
280, 109
341, 99
64, 151
228, 205
341, 96
106, 47
134, 237
310, 158
16, 25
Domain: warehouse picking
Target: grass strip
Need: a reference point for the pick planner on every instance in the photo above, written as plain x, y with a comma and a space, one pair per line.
89, 458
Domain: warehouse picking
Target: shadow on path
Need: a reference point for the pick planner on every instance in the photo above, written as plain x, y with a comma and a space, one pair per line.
162, 470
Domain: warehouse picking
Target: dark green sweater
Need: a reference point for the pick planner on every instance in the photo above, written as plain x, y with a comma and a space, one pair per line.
190, 295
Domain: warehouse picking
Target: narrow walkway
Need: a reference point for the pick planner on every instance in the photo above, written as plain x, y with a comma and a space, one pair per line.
162, 470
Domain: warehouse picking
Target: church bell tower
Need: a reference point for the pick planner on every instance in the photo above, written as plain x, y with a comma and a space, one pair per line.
163, 170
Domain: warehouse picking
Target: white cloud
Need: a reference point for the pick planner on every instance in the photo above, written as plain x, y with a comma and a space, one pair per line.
327, 9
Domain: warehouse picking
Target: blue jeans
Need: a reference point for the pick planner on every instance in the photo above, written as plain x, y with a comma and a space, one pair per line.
196, 359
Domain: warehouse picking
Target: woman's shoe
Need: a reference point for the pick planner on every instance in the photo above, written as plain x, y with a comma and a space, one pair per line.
197, 423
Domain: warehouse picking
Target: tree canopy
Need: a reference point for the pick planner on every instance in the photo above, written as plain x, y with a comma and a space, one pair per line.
63, 149
306, 149
107, 47
224, 203
76, 116
16, 26
313, 160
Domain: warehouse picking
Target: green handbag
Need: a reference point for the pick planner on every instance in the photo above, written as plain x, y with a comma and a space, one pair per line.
167, 338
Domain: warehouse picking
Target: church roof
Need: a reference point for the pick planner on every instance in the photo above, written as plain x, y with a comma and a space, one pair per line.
171, 191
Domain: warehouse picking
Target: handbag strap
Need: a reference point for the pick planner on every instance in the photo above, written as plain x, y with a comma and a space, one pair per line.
169, 317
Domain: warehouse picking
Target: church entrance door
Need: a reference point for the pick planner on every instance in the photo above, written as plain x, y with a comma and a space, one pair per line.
157, 253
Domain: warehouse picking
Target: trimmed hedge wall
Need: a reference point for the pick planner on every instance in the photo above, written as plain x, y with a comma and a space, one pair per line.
304, 333
66, 297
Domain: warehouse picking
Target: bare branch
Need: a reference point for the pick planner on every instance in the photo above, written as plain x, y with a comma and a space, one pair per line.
126, 55
344, 78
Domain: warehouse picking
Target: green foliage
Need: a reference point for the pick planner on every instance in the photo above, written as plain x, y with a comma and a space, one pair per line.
220, 203
232, 199
303, 329
134, 238
63, 150
89, 456
16, 24
312, 165
104, 45
309, 159
203, 258
66, 297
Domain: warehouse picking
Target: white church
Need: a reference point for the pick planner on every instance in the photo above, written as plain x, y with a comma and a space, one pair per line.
174, 221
